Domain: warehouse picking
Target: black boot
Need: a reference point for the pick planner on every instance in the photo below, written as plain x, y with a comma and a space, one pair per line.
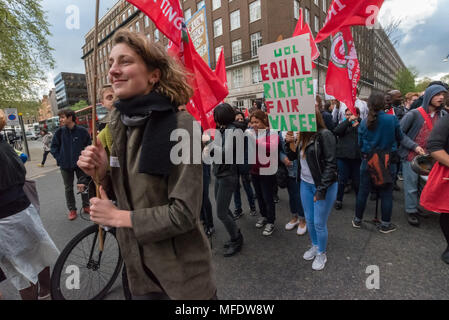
234, 246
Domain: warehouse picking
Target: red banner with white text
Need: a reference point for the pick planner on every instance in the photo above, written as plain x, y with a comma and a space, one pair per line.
343, 72
344, 13
167, 15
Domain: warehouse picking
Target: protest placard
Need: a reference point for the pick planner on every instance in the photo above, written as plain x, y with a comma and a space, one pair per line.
286, 69
197, 26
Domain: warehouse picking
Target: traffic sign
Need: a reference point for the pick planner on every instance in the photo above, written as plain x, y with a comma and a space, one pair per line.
12, 118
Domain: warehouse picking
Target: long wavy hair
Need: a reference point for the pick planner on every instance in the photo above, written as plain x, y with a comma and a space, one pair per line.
174, 78
376, 103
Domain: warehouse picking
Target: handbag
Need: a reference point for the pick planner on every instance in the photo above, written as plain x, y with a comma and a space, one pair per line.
29, 188
378, 163
282, 176
433, 196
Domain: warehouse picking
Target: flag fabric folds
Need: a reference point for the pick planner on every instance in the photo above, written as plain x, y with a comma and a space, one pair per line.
344, 13
343, 72
167, 15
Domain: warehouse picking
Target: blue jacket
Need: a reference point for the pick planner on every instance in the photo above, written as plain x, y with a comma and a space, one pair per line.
67, 145
386, 136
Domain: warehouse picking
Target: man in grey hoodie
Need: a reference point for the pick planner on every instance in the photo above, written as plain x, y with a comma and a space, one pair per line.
417, 125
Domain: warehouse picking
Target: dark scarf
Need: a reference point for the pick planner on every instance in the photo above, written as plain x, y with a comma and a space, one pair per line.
156, 144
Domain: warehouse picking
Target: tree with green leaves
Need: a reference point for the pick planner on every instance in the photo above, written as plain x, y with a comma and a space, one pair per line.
25, 53
79, 105
445, 79
423, 84
405, 80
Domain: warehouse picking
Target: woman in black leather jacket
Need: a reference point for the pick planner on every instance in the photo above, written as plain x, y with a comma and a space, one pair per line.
317, 167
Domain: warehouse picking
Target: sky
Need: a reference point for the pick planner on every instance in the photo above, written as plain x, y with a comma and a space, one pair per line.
423, 33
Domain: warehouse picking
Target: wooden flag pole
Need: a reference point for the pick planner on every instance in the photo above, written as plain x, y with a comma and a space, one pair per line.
94, 111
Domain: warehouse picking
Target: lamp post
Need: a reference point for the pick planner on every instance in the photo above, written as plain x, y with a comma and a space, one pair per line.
446, 59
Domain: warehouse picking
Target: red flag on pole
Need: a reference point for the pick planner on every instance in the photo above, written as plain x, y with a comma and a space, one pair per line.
167, 15
343, 72
220, 69
303, 28
344, 13
209, 89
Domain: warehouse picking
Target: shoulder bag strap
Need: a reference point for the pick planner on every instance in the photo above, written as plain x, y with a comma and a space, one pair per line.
426, 117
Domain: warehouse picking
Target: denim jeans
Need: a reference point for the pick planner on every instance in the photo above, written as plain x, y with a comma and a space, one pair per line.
44, 157
410, 187
263, 185
224, 188
68, 176
206, 207
348, 168
317, 213
246, 181
294, 196
385, 193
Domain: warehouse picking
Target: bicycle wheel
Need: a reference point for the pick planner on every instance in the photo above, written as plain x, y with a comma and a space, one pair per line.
82, 272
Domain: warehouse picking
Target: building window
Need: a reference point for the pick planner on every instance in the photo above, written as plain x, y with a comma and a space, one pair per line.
137, 26
317, 24
235, 20
147, 22
324, 6
217, 53
325, 53
236, 51
148, 36
115, 24
123, 17
216, 4
316, 2
156, 35
199, 5
187, 14
129, 12
307, 14
256, 75
131, 28
254, 11
237, 77
218, 30
256, 42
296, 9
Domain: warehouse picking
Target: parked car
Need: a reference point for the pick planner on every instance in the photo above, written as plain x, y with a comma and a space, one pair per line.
31, 135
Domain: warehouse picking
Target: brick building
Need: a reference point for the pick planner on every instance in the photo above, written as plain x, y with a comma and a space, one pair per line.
241, 27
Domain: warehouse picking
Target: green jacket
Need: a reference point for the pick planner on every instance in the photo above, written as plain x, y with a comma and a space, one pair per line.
167, 235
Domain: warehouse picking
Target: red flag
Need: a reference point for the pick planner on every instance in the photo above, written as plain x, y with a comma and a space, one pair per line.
246, 114
208, 88
349, 13
167, 15
302, 28
220, 69
343, 72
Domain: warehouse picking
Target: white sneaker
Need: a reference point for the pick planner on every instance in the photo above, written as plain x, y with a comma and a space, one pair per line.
269, 228
261, 222
319, 262
301, 229
292, 224
311, 253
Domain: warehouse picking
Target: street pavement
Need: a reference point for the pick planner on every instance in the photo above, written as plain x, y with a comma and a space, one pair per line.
272, 267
